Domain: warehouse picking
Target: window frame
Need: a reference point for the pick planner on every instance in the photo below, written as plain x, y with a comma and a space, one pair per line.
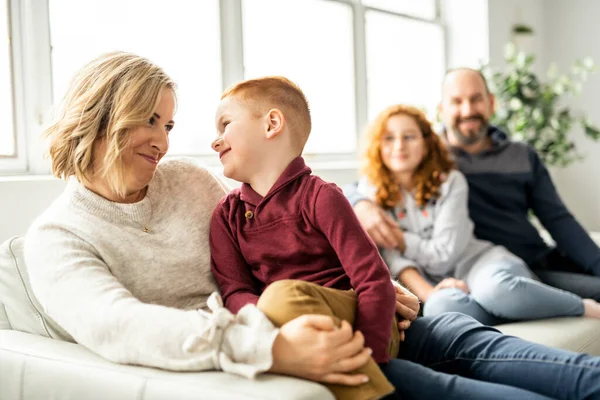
31, 83
32, 77
15, 161
440, 27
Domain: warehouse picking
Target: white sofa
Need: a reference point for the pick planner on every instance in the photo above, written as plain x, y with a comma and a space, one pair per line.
35, 363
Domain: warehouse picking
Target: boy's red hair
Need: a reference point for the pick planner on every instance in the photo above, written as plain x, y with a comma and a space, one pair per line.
429, 174
276, 92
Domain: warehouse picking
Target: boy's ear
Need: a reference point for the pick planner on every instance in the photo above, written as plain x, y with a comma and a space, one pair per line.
275, 123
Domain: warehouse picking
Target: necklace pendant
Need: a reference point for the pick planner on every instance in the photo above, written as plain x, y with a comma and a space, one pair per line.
146, 229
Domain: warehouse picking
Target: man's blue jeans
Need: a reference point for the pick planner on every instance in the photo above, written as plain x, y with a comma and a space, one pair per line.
452, 356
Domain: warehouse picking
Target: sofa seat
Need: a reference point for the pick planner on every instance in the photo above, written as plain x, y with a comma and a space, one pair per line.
34, 367
39, 361
576, 334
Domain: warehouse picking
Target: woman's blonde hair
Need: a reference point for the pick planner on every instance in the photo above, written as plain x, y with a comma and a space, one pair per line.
428, 176
107, 98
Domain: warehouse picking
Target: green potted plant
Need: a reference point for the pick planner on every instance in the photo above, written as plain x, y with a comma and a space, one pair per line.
531, 110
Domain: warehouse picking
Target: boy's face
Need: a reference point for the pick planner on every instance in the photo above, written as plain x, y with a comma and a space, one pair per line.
240, 135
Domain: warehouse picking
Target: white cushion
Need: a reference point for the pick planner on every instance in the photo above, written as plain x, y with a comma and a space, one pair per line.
19, 309
33, 367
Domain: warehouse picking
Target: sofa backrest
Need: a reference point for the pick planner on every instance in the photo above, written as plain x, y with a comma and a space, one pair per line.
19, 309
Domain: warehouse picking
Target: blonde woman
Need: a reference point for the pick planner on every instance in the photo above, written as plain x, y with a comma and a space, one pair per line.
408, 172
121, 259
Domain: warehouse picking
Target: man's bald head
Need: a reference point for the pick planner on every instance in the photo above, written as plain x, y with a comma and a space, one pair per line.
465, 73
467, 106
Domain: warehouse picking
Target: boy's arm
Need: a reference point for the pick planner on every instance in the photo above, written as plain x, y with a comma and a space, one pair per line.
228, 265
369, 276
568, 234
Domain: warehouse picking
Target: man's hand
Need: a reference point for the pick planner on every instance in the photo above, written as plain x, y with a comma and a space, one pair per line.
407, 308
379, 225
312, 347
452, 283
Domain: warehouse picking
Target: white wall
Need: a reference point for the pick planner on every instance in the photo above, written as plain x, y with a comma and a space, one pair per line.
22, 200
572, 32
503, 14
564, 31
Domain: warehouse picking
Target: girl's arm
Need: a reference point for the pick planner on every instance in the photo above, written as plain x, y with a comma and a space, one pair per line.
452, 230
413, 279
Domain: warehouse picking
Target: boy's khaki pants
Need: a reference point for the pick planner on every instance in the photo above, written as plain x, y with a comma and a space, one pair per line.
285, 300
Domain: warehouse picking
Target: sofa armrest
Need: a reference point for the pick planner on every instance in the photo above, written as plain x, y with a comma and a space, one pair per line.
35, 367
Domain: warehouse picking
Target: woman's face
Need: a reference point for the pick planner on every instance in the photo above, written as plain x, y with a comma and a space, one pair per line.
147, 145
402, 144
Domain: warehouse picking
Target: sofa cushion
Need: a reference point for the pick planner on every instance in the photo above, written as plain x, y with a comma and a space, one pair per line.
4, 324
19, 309
33, 367
575, 334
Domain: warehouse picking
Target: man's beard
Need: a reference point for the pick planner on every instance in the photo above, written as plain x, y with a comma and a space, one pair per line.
473, 136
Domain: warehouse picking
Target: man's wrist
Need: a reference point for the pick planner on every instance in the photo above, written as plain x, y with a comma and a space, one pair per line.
362, 201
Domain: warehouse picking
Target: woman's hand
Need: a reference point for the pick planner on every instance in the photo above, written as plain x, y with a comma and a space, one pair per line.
312, 347
452, 283
407, 308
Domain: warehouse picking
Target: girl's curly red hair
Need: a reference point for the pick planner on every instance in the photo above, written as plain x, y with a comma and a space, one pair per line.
430, 173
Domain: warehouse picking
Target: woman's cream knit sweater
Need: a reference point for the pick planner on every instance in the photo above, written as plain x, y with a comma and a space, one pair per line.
137, 297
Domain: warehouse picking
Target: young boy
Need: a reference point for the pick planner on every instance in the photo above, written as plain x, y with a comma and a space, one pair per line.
287, 226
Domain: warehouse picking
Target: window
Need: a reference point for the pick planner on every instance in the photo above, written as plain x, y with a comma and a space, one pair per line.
417, 8
311, 43
180, 36
7, 133
405, 62
352, 58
